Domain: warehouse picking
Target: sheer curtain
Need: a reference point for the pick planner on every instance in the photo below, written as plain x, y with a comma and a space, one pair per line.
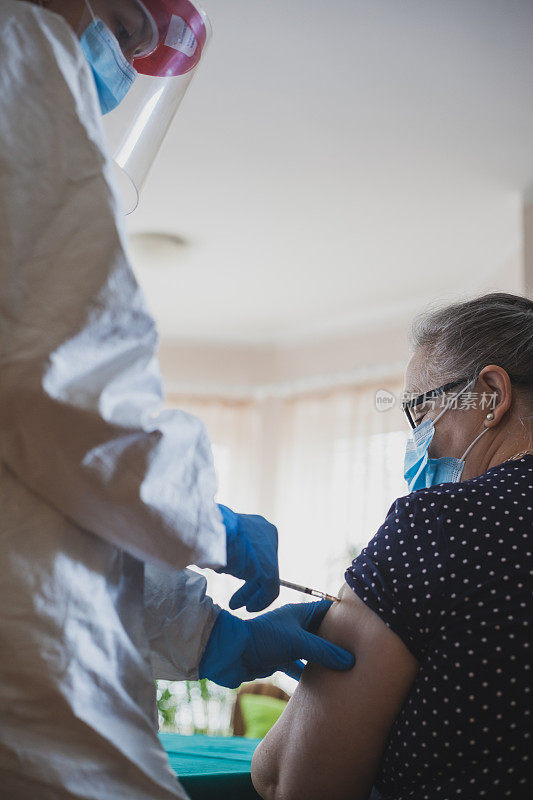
324, 467
340, 467
235, 429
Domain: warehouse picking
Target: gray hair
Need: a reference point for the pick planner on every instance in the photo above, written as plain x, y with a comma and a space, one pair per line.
462, 338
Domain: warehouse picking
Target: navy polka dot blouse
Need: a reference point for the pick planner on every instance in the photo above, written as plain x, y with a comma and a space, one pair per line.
451, 572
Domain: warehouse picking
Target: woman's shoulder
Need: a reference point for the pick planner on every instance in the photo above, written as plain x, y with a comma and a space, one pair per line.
499, 483
437, 543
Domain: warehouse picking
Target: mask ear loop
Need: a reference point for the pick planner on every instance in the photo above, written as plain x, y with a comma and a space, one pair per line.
86, 18
468, 449
447, 406
91, 12
478, 437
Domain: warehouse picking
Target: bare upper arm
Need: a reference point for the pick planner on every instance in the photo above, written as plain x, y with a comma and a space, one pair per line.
329, 740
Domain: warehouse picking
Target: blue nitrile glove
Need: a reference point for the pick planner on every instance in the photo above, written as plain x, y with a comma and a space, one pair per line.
241, 650
252, 555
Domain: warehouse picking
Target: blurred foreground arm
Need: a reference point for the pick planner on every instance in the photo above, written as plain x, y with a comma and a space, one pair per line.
178, 619
329, 740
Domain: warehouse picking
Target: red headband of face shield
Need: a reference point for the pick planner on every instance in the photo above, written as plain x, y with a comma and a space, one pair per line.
182, 37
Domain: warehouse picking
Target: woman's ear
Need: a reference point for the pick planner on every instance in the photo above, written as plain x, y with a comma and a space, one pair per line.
495, 384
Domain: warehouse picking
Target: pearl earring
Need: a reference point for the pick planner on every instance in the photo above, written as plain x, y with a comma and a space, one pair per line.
490, 415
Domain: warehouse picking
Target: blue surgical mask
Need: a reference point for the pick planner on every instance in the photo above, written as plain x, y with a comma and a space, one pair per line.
420, 471
113, 74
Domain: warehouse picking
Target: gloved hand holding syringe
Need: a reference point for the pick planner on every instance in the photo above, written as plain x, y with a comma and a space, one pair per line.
252, 545
245, 649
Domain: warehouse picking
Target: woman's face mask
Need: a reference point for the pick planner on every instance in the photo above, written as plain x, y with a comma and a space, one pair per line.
421, 471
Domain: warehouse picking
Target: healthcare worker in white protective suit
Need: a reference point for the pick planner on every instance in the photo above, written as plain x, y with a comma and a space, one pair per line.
105, 498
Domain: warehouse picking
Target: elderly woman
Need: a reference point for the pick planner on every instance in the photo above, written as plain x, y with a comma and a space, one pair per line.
438, 607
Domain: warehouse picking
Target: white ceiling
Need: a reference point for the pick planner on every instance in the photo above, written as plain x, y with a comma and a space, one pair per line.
340, 161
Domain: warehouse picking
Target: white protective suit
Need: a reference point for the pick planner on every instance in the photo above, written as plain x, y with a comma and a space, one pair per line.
95, 480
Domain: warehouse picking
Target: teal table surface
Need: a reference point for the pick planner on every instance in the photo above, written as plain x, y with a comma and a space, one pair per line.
213, 767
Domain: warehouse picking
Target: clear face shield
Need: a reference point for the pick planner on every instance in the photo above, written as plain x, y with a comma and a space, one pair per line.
163, 41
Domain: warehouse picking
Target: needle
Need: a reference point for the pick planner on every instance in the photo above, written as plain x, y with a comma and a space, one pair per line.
307, 590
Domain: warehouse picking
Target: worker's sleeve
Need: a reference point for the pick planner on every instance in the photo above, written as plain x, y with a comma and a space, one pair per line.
179, 617
80, 390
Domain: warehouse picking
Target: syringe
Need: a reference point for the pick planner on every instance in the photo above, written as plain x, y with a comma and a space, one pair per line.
307, 590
